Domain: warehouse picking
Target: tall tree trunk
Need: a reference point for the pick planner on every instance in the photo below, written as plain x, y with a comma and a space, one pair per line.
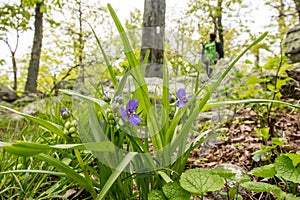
153, 36
33, 69
13, 59
81, 44
297, 3
219, 22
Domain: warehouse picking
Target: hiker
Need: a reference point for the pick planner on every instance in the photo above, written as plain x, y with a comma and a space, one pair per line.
212, 51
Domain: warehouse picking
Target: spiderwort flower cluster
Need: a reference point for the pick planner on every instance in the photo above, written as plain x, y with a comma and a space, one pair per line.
129, 113
182, 98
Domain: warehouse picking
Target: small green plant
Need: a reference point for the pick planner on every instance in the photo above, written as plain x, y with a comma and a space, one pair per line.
286, 170
200, 182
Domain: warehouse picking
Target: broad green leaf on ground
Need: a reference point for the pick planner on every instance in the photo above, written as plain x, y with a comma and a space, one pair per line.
286, 196
285, 168
294, 157
266, 171
156, 195
259, 186
279, 141
224, 173
198, 181
175, 191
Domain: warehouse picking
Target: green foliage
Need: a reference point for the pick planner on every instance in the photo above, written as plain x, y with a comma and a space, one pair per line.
130, 163
199, 181
266, 171
286, 167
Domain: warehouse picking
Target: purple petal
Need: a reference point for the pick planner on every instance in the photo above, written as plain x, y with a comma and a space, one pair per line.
190, 97
132, 105
181, 93
105, 94
180, 103
123, 112
119, 98
63, 111
102, 122
134, 119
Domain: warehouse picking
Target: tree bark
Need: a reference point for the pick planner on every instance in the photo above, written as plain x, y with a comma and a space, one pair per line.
297, 4
81, 44
33, 69
153, 36
219, 23
13, 60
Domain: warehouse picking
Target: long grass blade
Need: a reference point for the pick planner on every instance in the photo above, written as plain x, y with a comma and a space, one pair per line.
109, 66
52, 127
72, 174
120, 168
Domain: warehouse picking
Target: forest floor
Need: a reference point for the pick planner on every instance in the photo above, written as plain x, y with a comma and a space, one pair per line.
241, 140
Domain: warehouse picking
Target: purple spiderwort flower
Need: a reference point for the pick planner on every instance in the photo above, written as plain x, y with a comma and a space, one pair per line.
65, 113
183, 99
131, 107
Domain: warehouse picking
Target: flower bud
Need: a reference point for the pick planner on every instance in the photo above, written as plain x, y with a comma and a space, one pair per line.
106, 97
65, 113
66, 131
73, 123
111, 122
172, 98
110, 116
67, 125
72, 129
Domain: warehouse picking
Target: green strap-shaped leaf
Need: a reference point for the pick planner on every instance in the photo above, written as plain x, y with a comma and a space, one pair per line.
26, 148
52, 127
71, 173
109, 66
22, 148
120, 168
139, 82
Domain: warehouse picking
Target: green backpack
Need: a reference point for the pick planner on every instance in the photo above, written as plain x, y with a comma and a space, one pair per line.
210, 51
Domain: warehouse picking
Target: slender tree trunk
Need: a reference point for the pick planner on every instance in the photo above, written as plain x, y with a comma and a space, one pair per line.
81, 45
33, 69
13, 60
219, 22
153, 36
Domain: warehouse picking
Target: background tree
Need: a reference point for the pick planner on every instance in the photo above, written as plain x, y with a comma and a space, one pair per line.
34, 64
14, 18
153, 36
